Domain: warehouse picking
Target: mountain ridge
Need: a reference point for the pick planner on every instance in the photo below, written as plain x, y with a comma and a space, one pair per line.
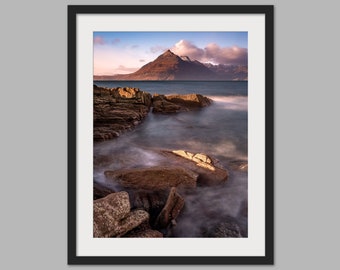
169, 66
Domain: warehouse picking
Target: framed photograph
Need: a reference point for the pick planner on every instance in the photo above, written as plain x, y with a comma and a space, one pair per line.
170, 134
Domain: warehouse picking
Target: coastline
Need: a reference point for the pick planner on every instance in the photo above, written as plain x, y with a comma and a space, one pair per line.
158, 207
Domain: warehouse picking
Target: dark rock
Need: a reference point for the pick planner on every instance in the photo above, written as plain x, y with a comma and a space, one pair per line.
209, 169
112, 216
171, 210
116, 110
100, 191
154, 178
144, 231
226, 229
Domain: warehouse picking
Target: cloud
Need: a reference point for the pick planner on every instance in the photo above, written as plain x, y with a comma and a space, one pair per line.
227, 55
115, 41
142, 60
212, 53
186, 48
123, 69
98, 40
156, 49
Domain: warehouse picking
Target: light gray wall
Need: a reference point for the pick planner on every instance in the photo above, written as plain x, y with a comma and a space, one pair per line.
33, 142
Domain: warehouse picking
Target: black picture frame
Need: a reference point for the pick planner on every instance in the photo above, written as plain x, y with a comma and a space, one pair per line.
268, 12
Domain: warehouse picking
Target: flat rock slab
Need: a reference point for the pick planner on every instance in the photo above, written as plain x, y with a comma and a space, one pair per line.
154, 178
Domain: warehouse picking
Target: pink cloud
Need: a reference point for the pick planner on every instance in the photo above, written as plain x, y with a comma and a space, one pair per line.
115, 41
156, 49
98, 40
226, 55
186, 48
123, 69
212, 53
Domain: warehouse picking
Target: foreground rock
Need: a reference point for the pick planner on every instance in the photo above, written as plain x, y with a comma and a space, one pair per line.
179, 103
171, 210
154, 178
144, 231
225, 229
116, 110
209, 169
100, 191
112, 216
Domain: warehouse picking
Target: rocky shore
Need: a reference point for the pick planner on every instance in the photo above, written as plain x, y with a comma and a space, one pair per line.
148, 201
120, 109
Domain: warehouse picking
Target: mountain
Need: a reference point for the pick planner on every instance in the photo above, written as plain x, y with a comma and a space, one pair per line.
169, 66
230, 72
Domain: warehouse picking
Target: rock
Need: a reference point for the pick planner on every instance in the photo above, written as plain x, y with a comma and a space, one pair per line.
239, 165
100, 191
171, 210
146, 234
144, 231
190, 100
112, 216
150, 201
116, 110
154, 178
209, 169
226, 229
179, 103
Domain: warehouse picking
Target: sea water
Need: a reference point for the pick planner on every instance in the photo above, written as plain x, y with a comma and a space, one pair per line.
219, 130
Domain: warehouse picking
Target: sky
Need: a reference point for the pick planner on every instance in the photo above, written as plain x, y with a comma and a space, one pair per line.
126, 52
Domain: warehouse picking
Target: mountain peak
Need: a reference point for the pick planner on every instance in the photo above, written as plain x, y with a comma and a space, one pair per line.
168, 53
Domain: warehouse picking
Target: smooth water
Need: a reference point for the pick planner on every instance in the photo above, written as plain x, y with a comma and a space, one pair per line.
220, 130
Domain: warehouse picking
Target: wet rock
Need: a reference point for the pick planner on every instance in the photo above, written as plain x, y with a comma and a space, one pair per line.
144, 231
171, 210
209, 169
112, 216
179, 103
226, 229
239, 165
100, 191
154, 178
150, 201
116, 110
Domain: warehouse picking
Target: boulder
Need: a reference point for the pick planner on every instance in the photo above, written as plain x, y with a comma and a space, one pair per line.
148, 200
145, 234
178, 103
171, 210
209, 169
226, 229
112, 216
144, 231
154, 178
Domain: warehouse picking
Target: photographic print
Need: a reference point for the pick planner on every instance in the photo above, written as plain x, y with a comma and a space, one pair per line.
168, 163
